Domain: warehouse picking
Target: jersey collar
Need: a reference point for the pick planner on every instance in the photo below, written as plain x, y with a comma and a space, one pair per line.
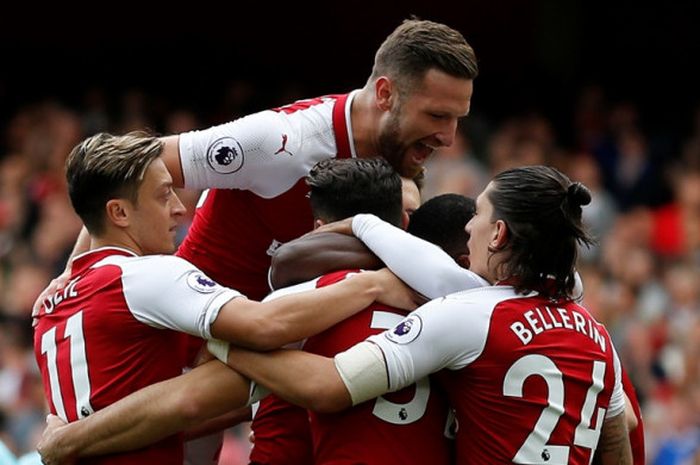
342, 126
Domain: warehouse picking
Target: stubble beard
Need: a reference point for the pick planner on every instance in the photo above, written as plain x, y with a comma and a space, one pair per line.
390, 148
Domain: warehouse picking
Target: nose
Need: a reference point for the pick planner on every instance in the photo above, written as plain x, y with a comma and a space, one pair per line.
467, 227
179, 208
446, 135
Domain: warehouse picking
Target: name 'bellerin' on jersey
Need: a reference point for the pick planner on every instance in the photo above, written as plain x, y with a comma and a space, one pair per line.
538, 323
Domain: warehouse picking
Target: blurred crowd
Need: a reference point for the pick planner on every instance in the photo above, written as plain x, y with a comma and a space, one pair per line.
642, 279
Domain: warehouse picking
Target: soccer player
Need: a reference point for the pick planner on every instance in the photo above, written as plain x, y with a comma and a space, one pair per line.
339, 188
532, 376
113, 328
411, 425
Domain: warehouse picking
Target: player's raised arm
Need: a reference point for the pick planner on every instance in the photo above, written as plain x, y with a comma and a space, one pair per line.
171, 158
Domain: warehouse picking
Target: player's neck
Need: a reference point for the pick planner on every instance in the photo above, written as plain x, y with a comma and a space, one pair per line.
112, 240
364, 118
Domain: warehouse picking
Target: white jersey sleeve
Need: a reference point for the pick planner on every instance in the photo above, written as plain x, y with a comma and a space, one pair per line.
617, 399
424, 342
165, 291
438, 274
266, 152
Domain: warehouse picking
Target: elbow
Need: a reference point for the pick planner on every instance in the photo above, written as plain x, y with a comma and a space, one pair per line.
190, 409
264, 334
632, 422
278, 279
285, 264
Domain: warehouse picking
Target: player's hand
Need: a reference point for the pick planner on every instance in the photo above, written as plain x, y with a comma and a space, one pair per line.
54, 286
49, 446
396, 293
341, 227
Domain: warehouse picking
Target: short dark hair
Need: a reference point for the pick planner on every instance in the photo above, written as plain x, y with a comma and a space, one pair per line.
417, 46
105, 167
345, 187
542, 211
441, 221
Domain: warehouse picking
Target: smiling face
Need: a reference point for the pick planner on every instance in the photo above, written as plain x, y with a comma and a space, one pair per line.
423, 120
154, 217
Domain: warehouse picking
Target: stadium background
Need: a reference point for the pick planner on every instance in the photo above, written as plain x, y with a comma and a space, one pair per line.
608, 92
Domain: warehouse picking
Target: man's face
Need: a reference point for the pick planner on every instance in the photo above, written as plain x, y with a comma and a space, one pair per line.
481, 230
423, 120
155, 216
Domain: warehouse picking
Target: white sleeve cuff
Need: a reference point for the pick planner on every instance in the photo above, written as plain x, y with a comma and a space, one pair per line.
212, 311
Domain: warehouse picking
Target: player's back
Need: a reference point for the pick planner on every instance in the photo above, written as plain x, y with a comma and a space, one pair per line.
539, 387
403, 427
92, 351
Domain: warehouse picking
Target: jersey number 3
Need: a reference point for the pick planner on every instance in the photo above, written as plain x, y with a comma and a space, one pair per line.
535, 449
391, 412
78, 367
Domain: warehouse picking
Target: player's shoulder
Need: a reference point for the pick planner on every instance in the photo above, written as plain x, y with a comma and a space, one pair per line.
152, 274
146, 262
320, 105
483, 297
473, 308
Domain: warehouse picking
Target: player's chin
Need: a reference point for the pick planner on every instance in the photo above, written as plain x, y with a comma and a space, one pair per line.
410, 169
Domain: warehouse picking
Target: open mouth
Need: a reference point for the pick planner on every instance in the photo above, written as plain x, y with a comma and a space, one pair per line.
421, 152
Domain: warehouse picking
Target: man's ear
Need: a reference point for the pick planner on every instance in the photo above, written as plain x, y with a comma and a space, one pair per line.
118, 212
405, 219
500, 236
384, 93
318, 223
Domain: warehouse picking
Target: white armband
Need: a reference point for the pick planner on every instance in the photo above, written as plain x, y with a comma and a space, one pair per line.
363, 370
218, 349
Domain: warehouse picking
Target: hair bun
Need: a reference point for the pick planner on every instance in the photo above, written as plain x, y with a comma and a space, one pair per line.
578, 194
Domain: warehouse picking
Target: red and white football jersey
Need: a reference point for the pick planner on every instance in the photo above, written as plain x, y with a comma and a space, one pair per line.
531, 380
254, 168
117, 327
401, 428
404, 427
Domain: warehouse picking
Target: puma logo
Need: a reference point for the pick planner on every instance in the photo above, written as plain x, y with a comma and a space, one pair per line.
283, 149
